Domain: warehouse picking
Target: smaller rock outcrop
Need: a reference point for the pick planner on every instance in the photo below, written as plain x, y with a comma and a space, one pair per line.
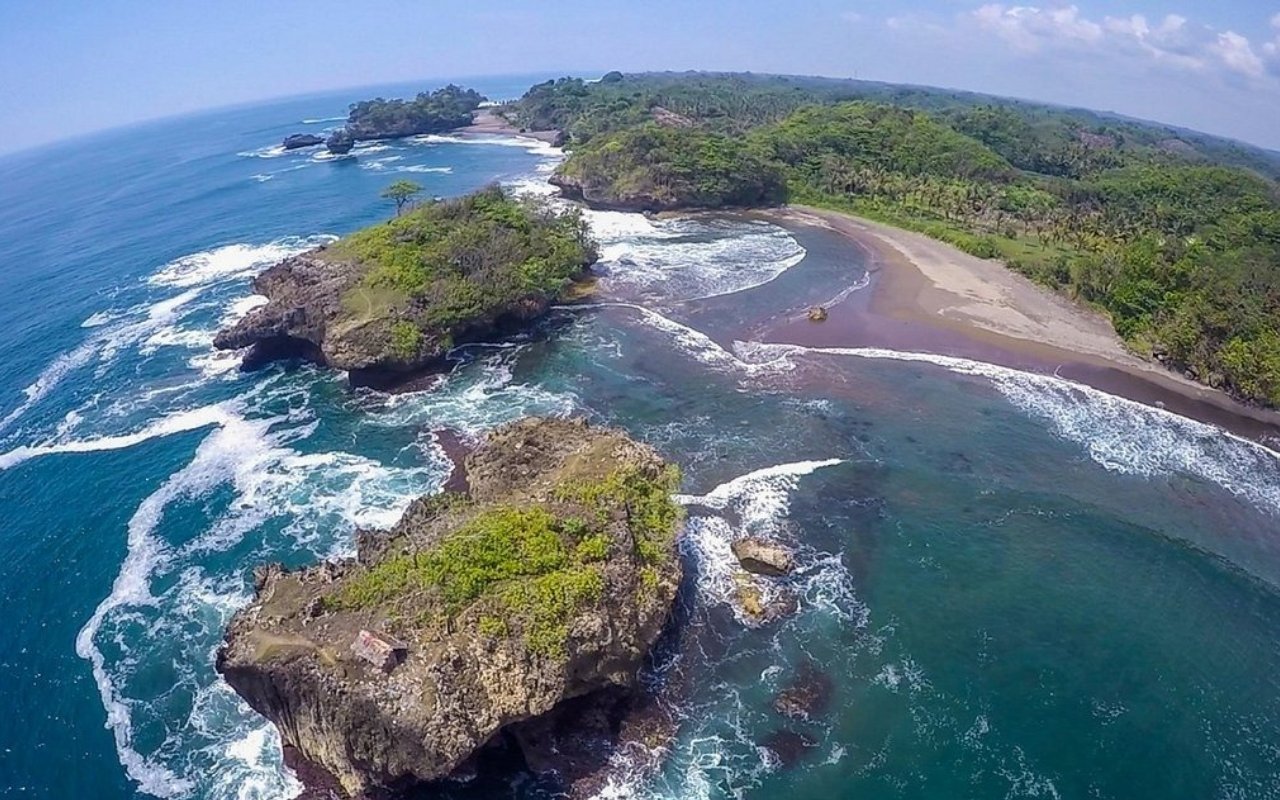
807, 696
298, 140
762, 602
817, 314
763, 557
340, 142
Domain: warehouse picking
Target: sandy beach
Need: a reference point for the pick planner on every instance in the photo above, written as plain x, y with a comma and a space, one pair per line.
488, 123
927, 296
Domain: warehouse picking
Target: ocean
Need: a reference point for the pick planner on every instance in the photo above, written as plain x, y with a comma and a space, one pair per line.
1012, 585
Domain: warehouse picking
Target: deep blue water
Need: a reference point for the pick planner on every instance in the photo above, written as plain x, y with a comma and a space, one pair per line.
1018, 586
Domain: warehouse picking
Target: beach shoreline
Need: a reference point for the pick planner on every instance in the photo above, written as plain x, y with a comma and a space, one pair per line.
926, 296
485, 122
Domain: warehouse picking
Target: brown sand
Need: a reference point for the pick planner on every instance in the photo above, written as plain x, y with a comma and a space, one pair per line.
488, 123
927, 296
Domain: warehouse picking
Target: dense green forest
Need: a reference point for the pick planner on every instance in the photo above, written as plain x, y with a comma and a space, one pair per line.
429, 112
1175, 234
446, 265
653, 167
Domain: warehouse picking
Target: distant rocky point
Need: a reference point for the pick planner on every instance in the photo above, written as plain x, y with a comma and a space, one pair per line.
299, 140
479, 618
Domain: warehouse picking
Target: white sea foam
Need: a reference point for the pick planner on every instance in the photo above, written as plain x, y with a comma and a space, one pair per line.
231, 260
218, 748
103, 344
270, 151
689, 259
165, 426
695, 343
379, 164
318, 120
422, 169
535, 146
99, 318
475, 399
756, 504
1121, 435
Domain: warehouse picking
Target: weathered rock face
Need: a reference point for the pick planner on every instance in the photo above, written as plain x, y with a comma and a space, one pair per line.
340, 142
297, 140
306, 318
762, 557
602, 194
486, 613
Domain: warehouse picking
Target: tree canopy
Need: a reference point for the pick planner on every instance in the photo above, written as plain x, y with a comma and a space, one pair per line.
430, 112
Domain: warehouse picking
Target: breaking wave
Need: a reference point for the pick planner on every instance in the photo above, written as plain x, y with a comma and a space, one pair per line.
689, 259
231, 261
174, 593
1120, 435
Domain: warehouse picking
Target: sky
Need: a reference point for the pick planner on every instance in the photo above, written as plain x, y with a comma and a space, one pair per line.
69, 67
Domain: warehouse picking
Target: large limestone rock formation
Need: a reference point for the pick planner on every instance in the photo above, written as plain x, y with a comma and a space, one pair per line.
549, 582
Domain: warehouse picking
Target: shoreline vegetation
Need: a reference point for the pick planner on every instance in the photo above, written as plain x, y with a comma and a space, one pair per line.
1174, 236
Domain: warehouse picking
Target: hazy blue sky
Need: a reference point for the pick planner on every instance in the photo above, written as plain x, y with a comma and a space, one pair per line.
72, 66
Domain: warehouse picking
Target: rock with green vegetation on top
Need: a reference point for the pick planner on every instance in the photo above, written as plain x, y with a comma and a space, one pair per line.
393, 298
657, 168
476, 614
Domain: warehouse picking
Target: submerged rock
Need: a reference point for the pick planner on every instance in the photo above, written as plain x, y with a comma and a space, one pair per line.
298, 140
476, 616
807, 696
763, 557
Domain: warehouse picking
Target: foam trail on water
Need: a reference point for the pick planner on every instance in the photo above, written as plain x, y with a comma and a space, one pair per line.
175, 592
1120, 435
208, 468
111, 331
694, 342
535, 146
104, 342
690, 258
165, 426
231, 260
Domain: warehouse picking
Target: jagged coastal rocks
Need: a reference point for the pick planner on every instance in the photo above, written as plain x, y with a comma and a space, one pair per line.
392, 299
477, 618
298, 140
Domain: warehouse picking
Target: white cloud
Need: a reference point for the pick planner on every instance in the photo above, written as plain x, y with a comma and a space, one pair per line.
1030, 28
1236, 54
852, 17
1173, 41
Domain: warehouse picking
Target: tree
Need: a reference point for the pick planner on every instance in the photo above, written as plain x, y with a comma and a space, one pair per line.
401, 192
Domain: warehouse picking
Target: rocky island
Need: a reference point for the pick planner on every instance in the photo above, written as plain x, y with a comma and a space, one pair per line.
476, 618
392, 299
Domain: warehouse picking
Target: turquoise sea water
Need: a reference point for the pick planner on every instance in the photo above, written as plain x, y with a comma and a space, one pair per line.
1016, 586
